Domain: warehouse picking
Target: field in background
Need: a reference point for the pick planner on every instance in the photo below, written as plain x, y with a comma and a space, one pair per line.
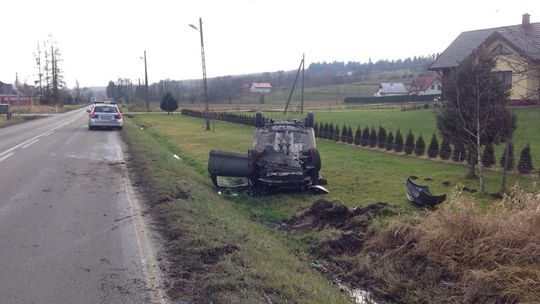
43, 109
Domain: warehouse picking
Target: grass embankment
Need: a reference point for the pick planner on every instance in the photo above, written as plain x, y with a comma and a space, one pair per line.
217, 254
422, 122
457, 255
44, 109
356, 177
4, 122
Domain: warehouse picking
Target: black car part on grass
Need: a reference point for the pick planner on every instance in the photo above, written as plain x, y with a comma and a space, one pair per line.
283, 156
421, 195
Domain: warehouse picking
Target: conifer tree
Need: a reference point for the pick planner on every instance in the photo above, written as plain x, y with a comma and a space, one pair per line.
336, 133
344, 134
389, 145
409, 143
525, 165
433, 149
316, 130
358, 136
398, 142
420, 146
508, 165
365, 137
381, 138
446, 149
349, 135
372, 138
488, 156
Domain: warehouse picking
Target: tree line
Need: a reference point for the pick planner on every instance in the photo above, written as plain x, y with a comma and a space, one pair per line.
228, 88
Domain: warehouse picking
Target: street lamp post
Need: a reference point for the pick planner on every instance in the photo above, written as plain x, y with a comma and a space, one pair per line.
205, 85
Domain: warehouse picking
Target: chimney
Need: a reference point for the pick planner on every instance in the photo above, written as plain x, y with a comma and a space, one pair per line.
526, 20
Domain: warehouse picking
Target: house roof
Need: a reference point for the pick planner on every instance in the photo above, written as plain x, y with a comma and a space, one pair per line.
261, 85
396, 87
525, 38
423, 83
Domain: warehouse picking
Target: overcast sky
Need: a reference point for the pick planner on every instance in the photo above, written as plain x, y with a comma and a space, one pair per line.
101, 40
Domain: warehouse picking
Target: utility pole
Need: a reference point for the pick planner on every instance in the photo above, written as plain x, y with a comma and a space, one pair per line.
146, 84
205, 84
302, 98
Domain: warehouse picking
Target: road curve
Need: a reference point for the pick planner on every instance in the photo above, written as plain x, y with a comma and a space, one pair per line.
71, 229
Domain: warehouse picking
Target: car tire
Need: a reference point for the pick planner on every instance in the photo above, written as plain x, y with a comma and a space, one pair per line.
310, 120
90, 128
315, 159
259, 120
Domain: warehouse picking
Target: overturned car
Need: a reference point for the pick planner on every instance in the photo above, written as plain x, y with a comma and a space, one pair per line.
283, 156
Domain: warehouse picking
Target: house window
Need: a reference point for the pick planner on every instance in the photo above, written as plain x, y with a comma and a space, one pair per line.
506, 78
439, 87
433, 87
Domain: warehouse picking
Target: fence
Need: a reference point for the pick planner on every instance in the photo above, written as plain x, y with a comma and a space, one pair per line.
392, 99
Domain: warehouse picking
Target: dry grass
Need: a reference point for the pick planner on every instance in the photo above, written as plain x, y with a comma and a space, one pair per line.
459, 254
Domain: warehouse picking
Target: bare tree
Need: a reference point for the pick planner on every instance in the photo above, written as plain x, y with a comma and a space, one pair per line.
475, 113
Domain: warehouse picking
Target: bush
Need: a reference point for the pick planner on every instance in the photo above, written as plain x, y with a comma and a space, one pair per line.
336, 133
420, 146
446, 149
358, 136
433, 149
330, 133
349, 135
344, 134
398, 142
488, 156
459, 154
381, 138
389, 145
372, 138
409, 143
168, 103
510, 164
525, 165
365, 137
316, 130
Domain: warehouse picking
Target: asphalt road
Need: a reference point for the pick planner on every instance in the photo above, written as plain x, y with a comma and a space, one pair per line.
71, 229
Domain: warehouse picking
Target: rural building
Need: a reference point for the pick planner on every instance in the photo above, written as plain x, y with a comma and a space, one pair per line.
515, 49
391, 89
261, 87
430, 85
6, 88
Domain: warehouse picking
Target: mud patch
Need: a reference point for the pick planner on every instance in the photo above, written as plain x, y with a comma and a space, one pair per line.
353, 225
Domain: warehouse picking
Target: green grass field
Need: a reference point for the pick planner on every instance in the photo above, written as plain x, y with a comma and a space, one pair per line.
356, 176
422, 122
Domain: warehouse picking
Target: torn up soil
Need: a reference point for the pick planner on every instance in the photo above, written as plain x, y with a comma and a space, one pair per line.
352, 229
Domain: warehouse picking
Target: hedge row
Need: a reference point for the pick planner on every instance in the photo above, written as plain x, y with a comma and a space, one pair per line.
380, 138
371, 137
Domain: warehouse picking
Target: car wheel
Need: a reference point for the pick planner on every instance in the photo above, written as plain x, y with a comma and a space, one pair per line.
310, 120
90, 128
315, 159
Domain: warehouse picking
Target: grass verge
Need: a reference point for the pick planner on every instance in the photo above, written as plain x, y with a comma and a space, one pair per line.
217, 254
15, 120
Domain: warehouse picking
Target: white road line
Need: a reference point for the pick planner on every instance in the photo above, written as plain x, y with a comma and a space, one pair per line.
37, 136
5, 156
30, 143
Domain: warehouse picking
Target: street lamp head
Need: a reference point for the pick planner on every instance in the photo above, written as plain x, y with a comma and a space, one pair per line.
193, 26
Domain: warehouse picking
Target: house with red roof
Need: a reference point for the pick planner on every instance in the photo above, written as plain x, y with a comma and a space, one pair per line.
261, 87
429, 85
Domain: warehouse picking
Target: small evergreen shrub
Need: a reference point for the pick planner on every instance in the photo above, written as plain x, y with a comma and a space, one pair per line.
525, 165
433, 149
446, 149
398, 142
357, 136
510, 164
372, 138
389, 145
381, 138
459, 154
349, 135
365, 137
409, 143
420, 146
